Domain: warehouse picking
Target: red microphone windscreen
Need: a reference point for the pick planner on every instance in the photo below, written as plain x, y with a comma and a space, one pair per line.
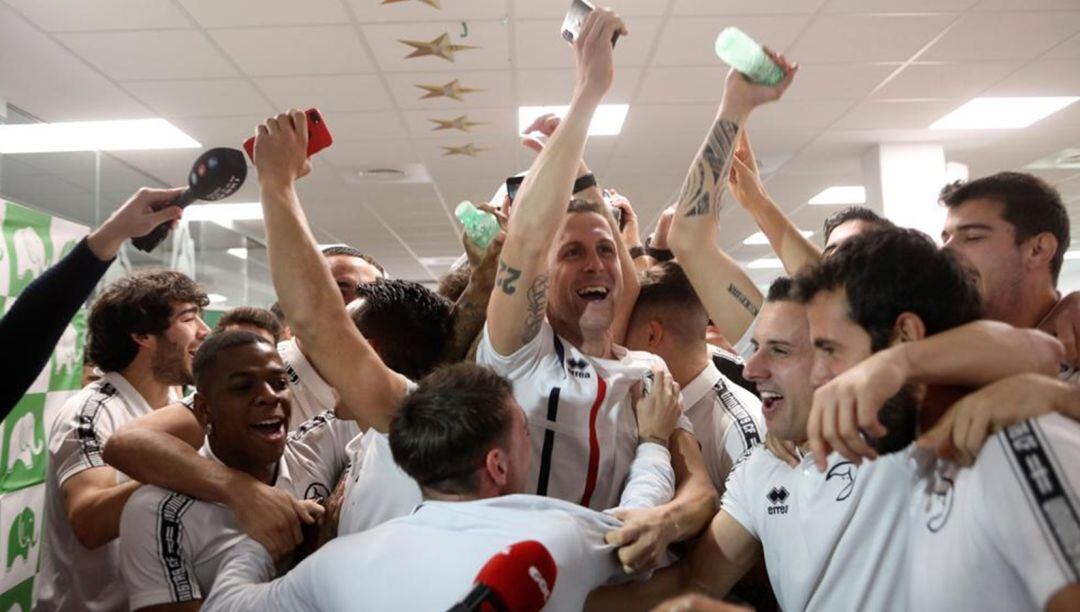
522, 575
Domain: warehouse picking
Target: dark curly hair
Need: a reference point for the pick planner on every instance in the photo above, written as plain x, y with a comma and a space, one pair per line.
406, 322
854, 213
253, 316
887, 272
140, 303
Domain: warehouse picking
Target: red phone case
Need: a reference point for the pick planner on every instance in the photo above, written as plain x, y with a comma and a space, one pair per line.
318, 135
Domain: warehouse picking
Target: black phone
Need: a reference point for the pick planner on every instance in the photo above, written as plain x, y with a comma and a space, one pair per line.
512, 185
575, 18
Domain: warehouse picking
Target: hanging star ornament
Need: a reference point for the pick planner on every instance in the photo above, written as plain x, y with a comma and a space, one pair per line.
452, 90
468, 149
431, 3
461, 123
439, 47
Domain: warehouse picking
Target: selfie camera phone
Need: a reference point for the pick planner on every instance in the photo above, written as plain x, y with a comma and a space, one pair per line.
318, 135
575, 18
512, 185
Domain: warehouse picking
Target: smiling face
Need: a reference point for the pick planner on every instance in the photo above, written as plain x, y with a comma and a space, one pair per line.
839, 343
174, 349
780, 366
985, 244
586, 279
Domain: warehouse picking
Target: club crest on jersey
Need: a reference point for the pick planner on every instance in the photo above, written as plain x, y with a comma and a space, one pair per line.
845, 473
777, 496
939, 506
578, 368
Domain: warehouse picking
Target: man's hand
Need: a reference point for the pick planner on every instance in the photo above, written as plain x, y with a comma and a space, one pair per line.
849, 404
962, 431
744, 179
658, 412
784, 450
742, 95
271, 516
630, 232
593, 52
1063, 322
695, 602
134, 218
643, 538
484, 263
281, 148
663, 228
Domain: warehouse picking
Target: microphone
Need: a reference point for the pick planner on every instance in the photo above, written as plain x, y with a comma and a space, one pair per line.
519, 578
217, 174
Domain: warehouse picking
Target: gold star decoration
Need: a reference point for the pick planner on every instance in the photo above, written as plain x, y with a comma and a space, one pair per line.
461, 123
439, 47
431, 3
452, 90
469, 149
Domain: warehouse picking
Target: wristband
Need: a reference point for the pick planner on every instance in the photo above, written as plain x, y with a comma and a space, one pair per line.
584, 182
653, 439
657, 254
637, 251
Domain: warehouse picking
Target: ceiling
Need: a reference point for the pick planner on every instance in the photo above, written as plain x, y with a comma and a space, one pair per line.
873, 71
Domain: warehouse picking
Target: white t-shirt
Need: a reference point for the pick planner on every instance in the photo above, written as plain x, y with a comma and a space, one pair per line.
72, 576
171, 544
427, 560
833, 540
1005, 533
311, 394
727, 421
580, 414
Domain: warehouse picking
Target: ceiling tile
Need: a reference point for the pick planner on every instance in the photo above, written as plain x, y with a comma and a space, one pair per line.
531, 9
837, 81
1025, 5
805, 114
364, 126
950, 80
680, 84
80, 16
1043, 77
870, 38
1070, 49
301, 50
328, 93
494, 85
376, 11
217, 14
167, 54
741, 7
390, 54
221, 131
538, 44
651, 122
356, 154
690, 41
200, 98
897, 6
896, 114
554, 87
979, 36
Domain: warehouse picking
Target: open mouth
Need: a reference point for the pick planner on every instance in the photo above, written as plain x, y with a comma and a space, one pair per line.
271, 430
770, 401
593, 293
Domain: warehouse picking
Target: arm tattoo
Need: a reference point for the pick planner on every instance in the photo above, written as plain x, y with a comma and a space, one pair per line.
741, 298
507, 277
537, 297
707, 177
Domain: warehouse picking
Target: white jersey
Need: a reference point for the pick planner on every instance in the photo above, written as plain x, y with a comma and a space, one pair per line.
73, 577
580, 414
311, 394
727, 421
427, 560
833, 540
172, 544
1005, 533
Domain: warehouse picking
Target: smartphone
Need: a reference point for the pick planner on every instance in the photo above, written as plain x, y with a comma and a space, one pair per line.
575, 18
512, 185
318, 135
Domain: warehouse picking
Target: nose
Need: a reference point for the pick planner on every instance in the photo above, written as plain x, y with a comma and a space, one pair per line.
203, 329
820, 373
755, 369
593, 261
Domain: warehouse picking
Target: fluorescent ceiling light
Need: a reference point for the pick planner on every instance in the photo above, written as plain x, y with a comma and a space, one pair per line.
607, 121
840, 194
216, 298
130, 135
222, 213
766, 263
759, 238
1001, 113
239, 252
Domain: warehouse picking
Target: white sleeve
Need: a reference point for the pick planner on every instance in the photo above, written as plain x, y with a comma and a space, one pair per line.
316, 454
245, 582
600, 562
1028, 478
79, 434
156, 552
521, 362
377, 489
735, 501
651, 481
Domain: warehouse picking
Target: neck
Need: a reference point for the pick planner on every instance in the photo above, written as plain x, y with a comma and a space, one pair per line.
590, 342
263, 472
1032, 308
141, 376
433, 495
686, 365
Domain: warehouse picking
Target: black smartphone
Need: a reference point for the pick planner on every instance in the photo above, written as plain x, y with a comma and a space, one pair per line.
512, 185
575, 18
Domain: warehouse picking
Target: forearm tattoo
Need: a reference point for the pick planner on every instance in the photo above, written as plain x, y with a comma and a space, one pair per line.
707, 177
537, 298
507, 278
740, 297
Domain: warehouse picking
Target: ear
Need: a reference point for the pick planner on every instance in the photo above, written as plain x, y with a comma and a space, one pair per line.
656, 333
908, 328
147, 341
1040, 249
497, 467
201, 409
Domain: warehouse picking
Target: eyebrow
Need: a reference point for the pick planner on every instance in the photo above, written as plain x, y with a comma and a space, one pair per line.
825, 343
189, 309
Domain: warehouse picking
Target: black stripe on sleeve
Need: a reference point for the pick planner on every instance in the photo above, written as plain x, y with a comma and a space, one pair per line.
182, 582
89, 442
738, 413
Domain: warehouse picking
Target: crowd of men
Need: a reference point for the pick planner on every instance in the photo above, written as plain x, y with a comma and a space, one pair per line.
901, 435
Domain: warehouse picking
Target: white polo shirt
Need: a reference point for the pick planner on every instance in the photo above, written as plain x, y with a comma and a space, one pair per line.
427, 560
311, 394
1005, 533
72, 576
172, 544
833, 540
580, 414
727, 421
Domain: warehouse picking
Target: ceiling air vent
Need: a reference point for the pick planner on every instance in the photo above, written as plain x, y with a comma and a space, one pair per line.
1065, 159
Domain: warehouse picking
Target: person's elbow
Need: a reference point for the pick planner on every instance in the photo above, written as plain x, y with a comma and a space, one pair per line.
1047, 353
120, 452
87, 529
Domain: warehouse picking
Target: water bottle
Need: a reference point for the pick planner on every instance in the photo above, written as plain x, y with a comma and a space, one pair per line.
481, 226
744, 54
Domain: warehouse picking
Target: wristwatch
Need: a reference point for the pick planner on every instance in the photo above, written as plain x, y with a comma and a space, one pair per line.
658, 254
584, 182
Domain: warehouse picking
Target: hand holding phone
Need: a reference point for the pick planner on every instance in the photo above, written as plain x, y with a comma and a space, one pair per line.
575, 18
318, 135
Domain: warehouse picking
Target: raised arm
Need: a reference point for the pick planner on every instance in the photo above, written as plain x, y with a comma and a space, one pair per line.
729, 296
370, 390
517, 307
744, 182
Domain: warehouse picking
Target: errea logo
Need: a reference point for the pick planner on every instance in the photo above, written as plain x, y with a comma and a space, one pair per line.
578, 368
777, 496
